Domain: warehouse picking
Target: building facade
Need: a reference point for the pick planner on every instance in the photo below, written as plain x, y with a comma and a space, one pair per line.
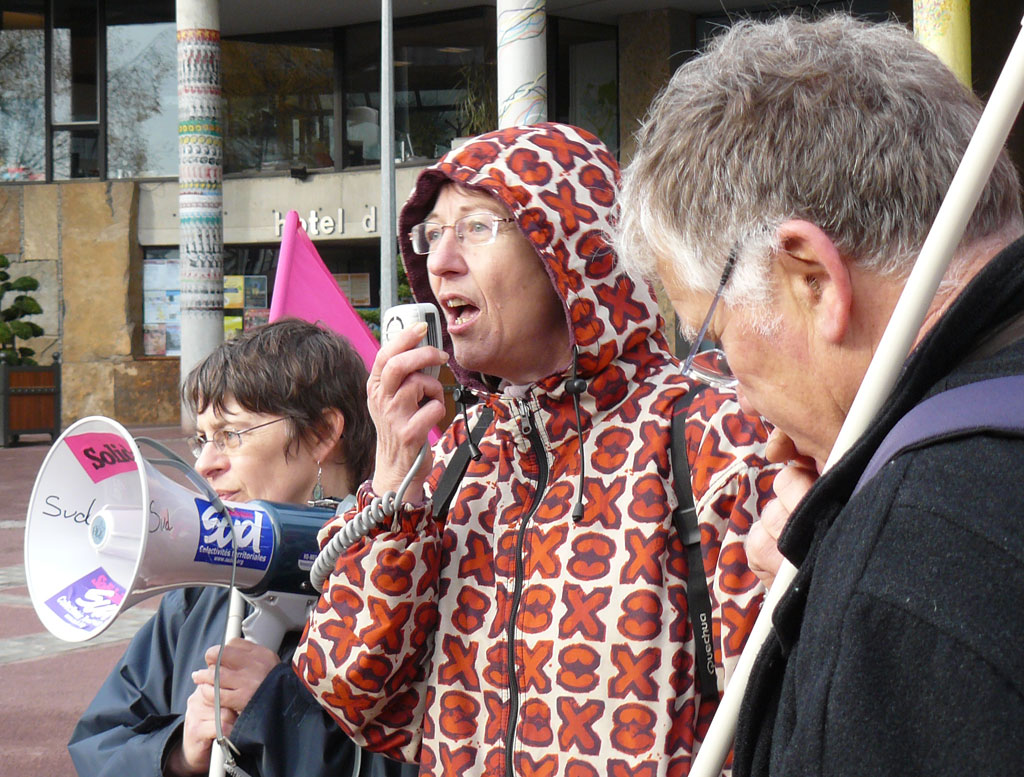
89, 162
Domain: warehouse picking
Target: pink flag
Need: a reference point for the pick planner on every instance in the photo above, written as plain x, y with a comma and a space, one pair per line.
304, 288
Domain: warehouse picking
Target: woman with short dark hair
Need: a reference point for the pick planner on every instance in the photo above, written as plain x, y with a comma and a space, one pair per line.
281, 416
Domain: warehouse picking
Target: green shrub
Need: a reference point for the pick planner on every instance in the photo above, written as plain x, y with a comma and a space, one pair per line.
12, 325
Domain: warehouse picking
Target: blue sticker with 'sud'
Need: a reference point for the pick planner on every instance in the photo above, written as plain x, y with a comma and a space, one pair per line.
253, 531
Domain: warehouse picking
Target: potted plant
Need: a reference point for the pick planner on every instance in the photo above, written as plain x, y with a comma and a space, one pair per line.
29, 393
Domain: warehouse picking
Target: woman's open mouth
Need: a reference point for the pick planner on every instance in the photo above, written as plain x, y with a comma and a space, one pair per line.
460, 314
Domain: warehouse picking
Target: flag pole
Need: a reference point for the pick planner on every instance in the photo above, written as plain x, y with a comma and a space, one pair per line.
900, 334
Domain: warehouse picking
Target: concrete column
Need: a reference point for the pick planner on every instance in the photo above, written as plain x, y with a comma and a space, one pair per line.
200, 165
522, 62
944, 27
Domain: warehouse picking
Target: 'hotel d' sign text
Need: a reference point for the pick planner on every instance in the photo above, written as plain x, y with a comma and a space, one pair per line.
316, 223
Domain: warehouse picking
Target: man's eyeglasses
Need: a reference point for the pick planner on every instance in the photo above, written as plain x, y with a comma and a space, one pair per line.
476, 229
710, 365
223, 439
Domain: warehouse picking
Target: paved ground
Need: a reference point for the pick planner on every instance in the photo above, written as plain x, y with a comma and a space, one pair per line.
45, 683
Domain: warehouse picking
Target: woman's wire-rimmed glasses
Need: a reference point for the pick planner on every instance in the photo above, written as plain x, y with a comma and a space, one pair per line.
224, 439
476, 229
710, 365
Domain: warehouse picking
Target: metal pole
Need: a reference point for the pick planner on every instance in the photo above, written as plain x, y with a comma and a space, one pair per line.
388, 218
900, 334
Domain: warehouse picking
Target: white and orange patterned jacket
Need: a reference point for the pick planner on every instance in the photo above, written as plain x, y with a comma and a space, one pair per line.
509, 639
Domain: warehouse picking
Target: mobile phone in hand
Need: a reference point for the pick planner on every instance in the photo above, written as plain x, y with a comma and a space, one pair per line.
400, 317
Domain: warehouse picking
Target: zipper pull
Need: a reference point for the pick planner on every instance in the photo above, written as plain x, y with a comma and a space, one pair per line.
524, 409
521, 425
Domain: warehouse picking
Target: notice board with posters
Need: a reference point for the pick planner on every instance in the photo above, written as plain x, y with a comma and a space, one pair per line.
161, 306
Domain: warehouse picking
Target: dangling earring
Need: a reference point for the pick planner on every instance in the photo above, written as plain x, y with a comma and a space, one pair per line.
318, 489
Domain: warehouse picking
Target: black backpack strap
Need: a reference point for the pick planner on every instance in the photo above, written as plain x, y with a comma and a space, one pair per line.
993, 405
698, 598
452, 476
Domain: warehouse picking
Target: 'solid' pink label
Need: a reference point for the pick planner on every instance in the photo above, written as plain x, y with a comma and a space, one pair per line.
101, 454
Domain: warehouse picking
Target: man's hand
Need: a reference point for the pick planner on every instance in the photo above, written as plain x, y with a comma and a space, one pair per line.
191, 756
791, 483
243, 668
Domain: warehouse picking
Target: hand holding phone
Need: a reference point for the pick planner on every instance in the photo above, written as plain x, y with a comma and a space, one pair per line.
404, 396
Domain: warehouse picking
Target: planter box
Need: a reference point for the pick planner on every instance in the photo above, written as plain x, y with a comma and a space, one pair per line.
29, 402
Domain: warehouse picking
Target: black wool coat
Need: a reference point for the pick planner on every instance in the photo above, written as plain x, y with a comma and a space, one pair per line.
899, 648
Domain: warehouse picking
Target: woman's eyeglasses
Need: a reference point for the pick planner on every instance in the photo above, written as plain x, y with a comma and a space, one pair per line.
709, 365
223, 439
476, 229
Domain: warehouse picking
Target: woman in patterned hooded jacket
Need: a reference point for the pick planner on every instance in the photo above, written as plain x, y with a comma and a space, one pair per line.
512, 636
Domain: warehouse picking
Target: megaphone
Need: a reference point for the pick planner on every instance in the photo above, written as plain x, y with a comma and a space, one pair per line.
107, 529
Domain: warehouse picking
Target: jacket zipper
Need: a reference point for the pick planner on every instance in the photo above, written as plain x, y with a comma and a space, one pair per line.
513, 680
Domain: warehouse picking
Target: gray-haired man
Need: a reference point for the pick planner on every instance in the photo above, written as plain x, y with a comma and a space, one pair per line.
786, 181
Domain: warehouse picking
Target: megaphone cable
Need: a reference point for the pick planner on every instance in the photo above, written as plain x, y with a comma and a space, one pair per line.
376, 512
172, 459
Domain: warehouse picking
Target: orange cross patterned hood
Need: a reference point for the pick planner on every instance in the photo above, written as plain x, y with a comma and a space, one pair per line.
559, 184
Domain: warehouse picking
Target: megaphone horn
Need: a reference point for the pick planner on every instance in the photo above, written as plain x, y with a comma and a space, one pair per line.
106, 529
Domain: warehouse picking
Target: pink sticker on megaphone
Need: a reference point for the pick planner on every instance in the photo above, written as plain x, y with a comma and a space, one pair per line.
102, 454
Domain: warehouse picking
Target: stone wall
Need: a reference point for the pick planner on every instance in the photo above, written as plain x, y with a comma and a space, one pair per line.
652, 44
79, 240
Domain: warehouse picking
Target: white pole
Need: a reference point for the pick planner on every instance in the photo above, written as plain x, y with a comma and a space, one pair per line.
200, 190
233, 628
522, 62
388, 225
900, 334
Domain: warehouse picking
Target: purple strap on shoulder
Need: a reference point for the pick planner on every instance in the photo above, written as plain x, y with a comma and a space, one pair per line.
996, 404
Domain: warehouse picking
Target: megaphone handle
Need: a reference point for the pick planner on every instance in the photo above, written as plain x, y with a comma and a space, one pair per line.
273, 615
236, 612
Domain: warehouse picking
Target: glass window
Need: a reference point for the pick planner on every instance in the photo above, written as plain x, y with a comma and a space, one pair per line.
76, 154
278, 102
710, 25
22, 94
584, 88
344, 259
75, 90
445, 84
249, 272
142, 90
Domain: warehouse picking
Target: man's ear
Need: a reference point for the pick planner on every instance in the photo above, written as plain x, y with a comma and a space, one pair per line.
817, 277
336, 423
